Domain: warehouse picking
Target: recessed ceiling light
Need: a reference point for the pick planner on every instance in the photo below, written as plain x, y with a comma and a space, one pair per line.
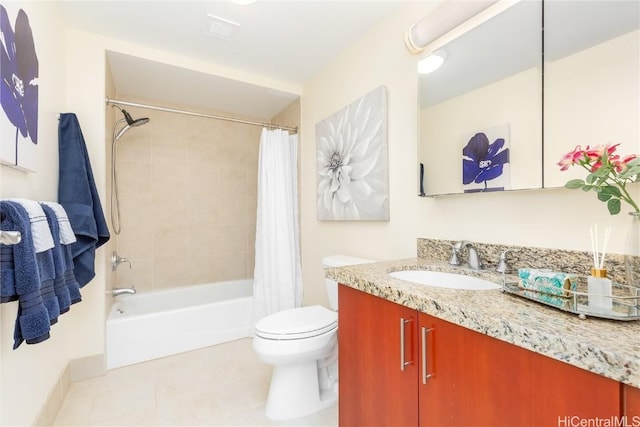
220, 27
243, 2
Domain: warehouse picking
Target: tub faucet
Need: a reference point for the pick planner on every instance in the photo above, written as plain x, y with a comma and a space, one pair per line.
474, 259
121, 291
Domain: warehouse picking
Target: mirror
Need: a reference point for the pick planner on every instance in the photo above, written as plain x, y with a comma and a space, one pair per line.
591, 80
485, 101
591, 91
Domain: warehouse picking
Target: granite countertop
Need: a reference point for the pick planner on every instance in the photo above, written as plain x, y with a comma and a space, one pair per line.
606, 347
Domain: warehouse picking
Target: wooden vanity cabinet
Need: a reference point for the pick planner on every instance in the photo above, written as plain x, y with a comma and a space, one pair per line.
452, 376
471, 379
373, 390
631, 404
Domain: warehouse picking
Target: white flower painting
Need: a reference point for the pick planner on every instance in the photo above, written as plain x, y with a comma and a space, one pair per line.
352, 175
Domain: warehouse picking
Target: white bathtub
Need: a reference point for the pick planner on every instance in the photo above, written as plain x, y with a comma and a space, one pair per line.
149, 325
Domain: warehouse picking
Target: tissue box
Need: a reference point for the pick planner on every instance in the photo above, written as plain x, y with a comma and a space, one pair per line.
547, 281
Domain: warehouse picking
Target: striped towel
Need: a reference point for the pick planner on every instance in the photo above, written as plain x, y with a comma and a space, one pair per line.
40, 232
66, 232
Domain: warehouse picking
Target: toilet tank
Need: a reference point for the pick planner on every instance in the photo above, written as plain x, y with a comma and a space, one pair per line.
338, 261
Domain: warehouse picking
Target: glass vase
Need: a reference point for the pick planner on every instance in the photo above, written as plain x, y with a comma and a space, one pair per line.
632, 251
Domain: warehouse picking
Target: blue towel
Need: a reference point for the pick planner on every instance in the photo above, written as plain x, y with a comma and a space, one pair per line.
78, 195
21, 277
46, 268
66, 239
60, 289
43, 245
69, 277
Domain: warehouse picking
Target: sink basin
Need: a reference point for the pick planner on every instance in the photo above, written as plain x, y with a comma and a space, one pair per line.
444, 280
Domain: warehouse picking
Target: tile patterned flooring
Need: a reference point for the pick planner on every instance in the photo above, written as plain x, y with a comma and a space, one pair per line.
222, 385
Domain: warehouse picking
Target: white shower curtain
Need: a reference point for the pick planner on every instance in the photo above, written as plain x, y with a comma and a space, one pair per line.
277, 275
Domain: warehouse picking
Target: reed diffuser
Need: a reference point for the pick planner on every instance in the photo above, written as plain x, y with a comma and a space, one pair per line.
598, 285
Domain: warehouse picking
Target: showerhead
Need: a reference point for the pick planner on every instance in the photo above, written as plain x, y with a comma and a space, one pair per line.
130, 123
133, 123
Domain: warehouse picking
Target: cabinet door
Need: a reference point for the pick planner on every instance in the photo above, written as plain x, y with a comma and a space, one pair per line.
374, 389
631, 404
562, 392
478, 380
472, 379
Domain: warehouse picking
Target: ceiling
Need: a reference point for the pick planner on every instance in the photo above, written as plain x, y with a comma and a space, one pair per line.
283, 41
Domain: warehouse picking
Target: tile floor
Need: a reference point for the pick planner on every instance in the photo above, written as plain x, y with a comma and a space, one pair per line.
223, 385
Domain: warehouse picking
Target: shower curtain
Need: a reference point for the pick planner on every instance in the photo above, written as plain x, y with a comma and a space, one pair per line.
277, 275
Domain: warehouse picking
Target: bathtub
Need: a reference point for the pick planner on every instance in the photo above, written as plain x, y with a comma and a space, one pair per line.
149, 325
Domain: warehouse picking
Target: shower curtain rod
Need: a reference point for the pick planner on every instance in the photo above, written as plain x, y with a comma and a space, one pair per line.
194, 113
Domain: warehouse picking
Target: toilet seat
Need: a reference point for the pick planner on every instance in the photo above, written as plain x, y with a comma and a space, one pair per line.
297, 323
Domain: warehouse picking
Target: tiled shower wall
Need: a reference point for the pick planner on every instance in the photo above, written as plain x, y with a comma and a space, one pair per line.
188, 195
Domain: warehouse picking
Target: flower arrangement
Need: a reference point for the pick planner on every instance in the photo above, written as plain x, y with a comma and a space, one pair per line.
608, 175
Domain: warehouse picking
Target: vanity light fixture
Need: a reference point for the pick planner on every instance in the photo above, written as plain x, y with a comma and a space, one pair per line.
442, 20
432, 62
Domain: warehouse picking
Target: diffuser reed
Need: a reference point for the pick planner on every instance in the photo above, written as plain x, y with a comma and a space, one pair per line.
599, 286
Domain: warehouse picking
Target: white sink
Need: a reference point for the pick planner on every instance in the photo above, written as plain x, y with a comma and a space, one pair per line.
444, 280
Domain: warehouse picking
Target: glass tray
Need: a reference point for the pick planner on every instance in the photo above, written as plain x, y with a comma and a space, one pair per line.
625, 301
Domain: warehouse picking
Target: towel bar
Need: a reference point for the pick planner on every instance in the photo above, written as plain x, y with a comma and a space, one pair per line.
10, 237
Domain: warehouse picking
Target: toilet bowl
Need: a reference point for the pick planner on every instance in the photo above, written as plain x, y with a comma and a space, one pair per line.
302, 345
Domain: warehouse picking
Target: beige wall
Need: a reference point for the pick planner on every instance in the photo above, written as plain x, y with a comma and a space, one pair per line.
289, 116
544, 218
29, 374
187, 190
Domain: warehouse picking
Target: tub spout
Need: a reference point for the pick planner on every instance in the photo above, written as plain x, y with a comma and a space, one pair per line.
121, 291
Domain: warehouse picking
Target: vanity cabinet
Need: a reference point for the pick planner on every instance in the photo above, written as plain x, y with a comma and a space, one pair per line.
401, 367
373, 389
631, 404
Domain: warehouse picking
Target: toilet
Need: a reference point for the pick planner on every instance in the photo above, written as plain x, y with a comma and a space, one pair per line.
302, 345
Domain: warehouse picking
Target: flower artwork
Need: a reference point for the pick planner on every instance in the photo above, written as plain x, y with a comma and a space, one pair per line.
485, 163
608, 174
352, 176
18, 92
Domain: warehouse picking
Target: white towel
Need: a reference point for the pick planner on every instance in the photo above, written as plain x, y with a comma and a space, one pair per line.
66, 232
40, 232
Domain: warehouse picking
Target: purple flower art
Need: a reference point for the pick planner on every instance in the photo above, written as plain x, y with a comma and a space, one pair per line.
482, 161
19, 72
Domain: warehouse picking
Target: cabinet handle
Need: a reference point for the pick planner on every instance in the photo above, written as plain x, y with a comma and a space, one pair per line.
425, 376
403, 322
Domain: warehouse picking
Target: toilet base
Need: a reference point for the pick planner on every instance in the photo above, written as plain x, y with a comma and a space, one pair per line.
295, 392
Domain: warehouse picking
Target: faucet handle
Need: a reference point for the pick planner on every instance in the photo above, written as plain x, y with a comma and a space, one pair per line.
116, 260
503, 266
455, 250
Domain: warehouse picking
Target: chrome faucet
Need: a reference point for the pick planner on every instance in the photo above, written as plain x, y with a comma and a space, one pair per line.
121, 291
116, 260
474, 259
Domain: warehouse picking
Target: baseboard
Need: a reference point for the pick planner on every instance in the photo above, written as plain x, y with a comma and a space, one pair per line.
76, 370
50, 408
87, 367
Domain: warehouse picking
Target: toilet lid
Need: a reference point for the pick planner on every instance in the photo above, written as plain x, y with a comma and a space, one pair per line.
297, 323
